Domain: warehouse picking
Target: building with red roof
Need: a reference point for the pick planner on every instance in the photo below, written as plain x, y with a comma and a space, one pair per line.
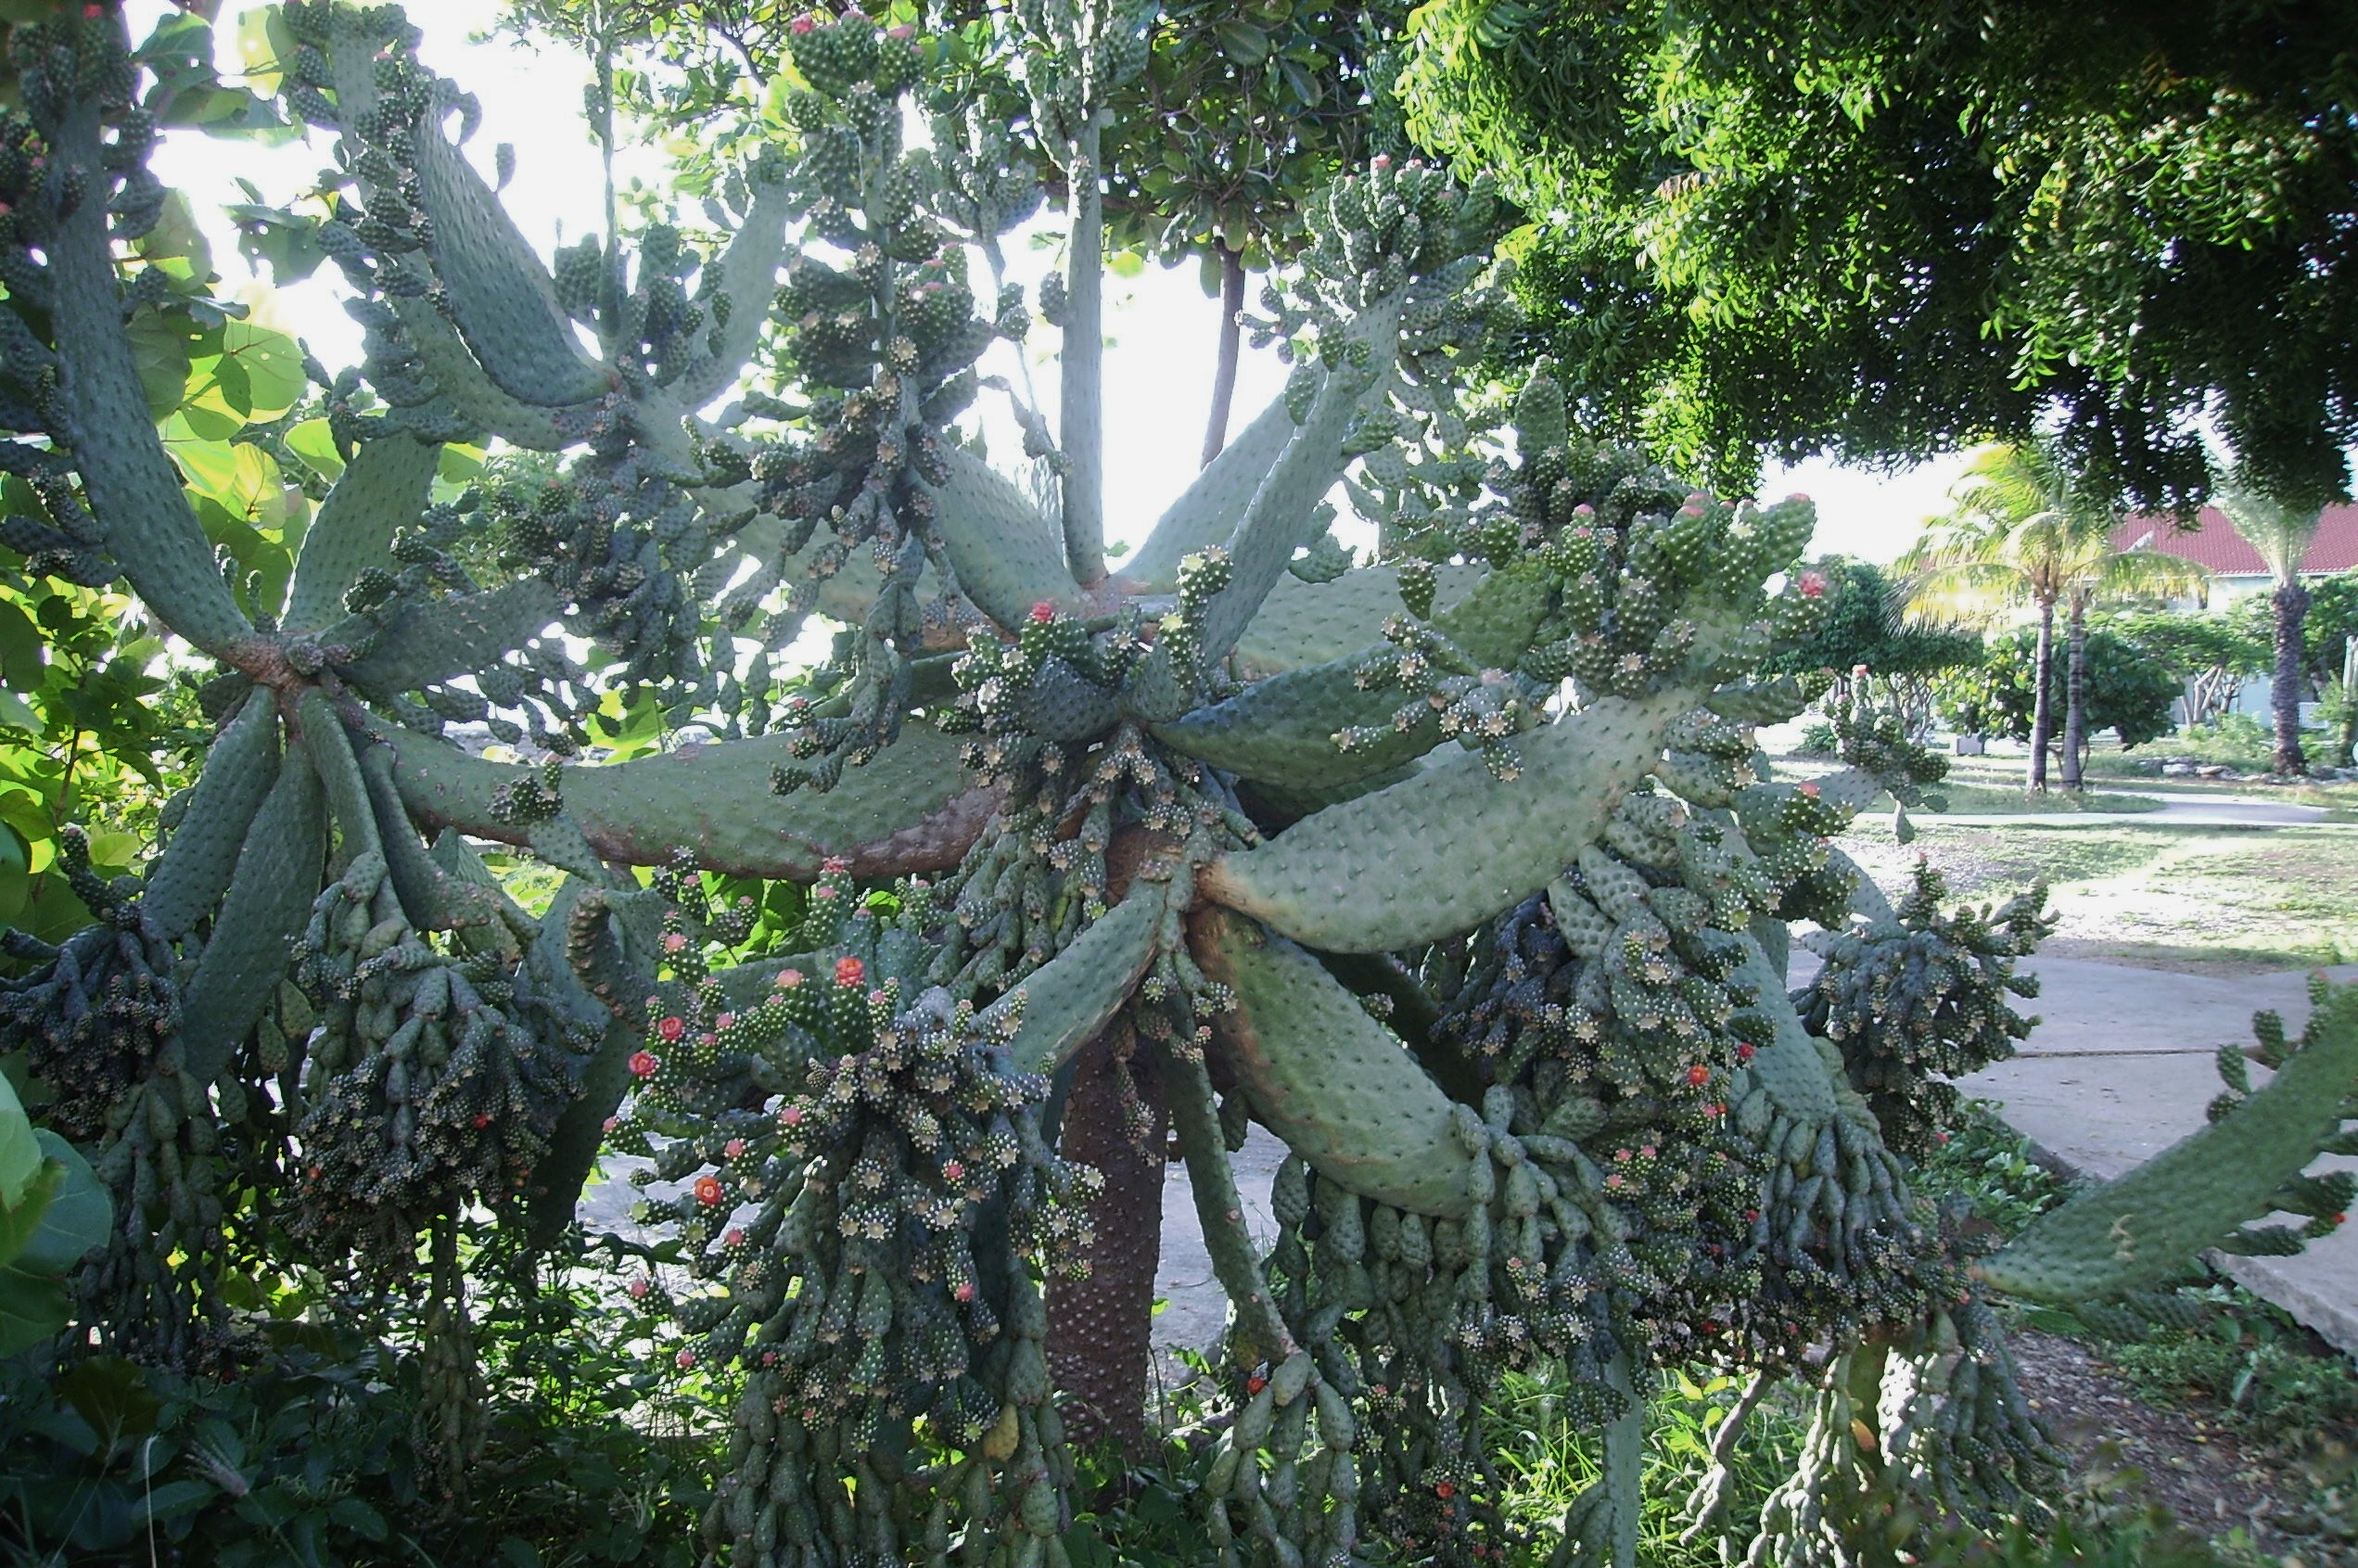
2234, 566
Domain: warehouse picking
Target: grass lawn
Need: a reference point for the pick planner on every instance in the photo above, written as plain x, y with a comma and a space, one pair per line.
1980, 793
2110, 765
2196, 898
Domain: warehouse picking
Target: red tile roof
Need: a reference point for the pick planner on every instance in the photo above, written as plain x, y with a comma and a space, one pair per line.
2216, 545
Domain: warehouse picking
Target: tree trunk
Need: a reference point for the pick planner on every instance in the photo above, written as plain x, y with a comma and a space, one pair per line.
1224, 376
2041, 723
2291, 605
2075, 704
1101, 1327
2346, 719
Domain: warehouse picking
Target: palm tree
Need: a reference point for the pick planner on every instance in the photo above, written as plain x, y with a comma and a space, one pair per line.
2023, 529
2281, 535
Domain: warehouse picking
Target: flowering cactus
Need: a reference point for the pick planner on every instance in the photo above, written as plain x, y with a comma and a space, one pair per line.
1457, 868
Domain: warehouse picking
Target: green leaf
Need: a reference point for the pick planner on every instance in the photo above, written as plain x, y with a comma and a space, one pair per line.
78, 1217
160, 345
32, 1308
176, 1499
273, 365
312, 441
262, 42
19, 1150
113, 1396
1241, 41
21, 644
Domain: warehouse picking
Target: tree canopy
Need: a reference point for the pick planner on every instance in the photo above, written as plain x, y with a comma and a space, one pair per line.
1889, 227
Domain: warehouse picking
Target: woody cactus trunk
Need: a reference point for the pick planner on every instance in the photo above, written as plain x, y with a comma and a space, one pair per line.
1456, 868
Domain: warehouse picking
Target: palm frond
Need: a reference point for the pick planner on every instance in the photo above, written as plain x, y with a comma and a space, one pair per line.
2279, 533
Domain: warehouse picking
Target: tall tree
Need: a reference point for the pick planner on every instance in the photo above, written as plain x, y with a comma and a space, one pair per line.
1893, 226
2281, 534
2024, 529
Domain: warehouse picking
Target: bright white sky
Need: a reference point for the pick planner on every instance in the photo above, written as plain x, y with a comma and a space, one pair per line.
1158, 368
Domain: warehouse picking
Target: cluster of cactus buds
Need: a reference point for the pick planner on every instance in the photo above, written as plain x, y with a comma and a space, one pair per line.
431, 1077
1924, 998
99, 1010
837, 1147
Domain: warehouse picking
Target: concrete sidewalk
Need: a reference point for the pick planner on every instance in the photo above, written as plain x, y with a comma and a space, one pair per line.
2122, 1064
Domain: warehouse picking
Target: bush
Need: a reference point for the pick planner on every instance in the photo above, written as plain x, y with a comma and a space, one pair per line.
2128, 690
328, 1445
2236, 739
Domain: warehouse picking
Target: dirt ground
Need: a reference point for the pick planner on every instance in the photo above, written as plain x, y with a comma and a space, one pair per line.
2250, 1504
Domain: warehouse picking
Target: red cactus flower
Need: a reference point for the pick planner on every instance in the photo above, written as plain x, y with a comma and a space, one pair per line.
673, 942
687, 1358
1444, 1490
481, 1120
1809, 788
1043, 612
639, 1288
801, 25
965, 1290
670, 1030
849, 972
953, 1170
643, 1064
788, 979
708, 1189
732, 1149
1698, 1076
1744, 1052
835, 865
724, 1021
790, 1116
612, 1122
1813, 585
733, 1237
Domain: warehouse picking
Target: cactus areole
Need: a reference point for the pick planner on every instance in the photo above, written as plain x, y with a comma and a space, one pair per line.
1453, 864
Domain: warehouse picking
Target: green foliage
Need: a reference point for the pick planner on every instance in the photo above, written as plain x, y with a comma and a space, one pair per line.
2248, 1359
1898, 228
2128, 690
2212, 652
319, 1446
1989, 1166
1866, 623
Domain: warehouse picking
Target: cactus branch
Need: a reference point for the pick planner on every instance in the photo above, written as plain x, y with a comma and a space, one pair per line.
2143, 1227
910, 810
1081, 428
148, 527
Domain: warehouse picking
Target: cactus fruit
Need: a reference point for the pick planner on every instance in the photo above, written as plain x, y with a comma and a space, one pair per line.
1456, 869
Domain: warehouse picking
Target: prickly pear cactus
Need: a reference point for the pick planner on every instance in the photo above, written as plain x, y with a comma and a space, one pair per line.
1456, 868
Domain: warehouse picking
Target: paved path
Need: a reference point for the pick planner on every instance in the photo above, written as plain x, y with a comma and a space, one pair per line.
2176, 810
2122, 1064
